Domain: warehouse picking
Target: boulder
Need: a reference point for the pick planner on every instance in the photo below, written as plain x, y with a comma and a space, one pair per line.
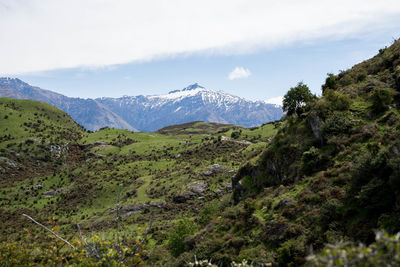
53, 193
194, 189
216, 168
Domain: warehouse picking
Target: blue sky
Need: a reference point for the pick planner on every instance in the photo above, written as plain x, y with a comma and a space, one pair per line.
105, 50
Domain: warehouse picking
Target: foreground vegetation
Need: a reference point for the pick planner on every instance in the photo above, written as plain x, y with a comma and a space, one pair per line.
328, 172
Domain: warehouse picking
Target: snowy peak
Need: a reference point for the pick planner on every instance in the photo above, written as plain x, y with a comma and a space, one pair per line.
12, 82
193, 87
188, 88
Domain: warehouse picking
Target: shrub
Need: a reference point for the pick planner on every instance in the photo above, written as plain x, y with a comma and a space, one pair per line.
291, 253
337, 123
337, 101
235, 135
209, 210
381, 99
176, 238
310, 160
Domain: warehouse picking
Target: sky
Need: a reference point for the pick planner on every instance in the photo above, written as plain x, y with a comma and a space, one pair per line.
256, 49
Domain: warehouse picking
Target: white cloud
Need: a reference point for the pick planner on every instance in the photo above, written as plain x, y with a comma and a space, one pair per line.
239, 73
275, 100
37, 35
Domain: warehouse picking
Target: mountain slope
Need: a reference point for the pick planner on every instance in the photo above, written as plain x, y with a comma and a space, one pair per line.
193, 103
149, 113
330, 174
87, 112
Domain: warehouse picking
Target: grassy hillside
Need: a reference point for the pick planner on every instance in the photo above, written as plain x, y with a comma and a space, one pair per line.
34, 139
157, 177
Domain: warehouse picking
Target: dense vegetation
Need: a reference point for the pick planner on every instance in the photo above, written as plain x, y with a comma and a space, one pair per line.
328, 172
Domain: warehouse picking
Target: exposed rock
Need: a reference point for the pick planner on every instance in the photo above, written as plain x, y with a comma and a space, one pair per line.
243, 142
216, 168
315, 123
58, 150
138, 208
237, 186
197, 187
10, 163
53, 193
213, 169
194, 189
208, 173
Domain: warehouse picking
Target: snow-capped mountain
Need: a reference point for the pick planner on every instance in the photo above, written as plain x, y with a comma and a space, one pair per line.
193, 103
149, 113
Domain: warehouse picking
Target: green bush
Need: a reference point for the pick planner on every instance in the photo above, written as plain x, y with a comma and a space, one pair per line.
336, 123
381, 99
310, 160
178, 233
337, 101
291, 253
332, 101
208, 211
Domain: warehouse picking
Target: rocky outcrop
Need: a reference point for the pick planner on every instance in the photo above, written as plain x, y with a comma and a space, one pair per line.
138, 208
315, 122
214, 169
194, 189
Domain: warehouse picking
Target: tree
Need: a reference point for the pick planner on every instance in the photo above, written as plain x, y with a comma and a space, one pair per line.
296, 98
330, 82
177, 235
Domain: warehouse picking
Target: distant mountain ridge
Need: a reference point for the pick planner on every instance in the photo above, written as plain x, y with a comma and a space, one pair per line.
87, 112
149, 113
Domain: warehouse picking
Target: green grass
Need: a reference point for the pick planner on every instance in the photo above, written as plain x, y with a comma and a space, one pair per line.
136, 168
23, 119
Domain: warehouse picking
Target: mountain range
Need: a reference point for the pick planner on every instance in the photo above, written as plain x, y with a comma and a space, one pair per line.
149, 113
